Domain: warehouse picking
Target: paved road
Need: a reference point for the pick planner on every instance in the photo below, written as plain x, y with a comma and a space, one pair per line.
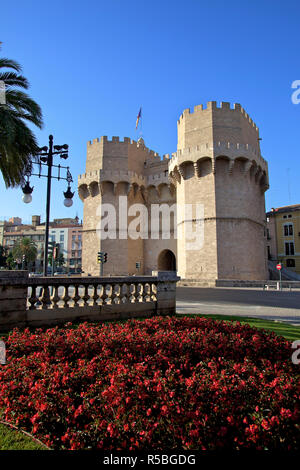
273, 305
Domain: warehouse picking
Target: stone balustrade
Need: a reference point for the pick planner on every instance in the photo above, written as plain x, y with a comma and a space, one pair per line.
47, 301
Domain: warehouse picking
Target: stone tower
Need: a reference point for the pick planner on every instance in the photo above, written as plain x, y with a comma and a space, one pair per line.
128, 169
218, 165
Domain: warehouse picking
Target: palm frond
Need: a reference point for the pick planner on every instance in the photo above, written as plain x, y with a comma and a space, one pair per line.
21, 102
10, 64
13, 79
18, 144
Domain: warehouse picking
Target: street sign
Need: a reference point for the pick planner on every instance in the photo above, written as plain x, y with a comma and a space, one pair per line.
279, 267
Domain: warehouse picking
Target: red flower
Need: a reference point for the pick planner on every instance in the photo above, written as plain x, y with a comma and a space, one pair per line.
209, 384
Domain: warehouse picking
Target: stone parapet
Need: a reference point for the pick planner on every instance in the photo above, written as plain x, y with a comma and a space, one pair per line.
48, 301
214, 150
13, 295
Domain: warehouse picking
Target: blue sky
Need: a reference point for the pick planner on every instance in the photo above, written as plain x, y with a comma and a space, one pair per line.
92, 64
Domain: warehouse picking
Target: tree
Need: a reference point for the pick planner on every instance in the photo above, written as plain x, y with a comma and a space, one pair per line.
60, 261
10, 262
18, 144
25, 247
2, 257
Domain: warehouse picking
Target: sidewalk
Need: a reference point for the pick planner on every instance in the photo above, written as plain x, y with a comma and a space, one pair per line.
288, 315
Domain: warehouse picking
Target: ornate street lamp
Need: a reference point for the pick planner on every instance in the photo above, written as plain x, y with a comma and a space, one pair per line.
45, 158
27, 190
68, 202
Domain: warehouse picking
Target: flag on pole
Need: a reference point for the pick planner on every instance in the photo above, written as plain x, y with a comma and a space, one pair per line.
138, 118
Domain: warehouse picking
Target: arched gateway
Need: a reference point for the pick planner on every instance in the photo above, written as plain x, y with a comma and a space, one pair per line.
166, 261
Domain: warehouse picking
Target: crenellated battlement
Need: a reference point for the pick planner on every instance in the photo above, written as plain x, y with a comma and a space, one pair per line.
151, 154
109, 175
212, 105
119, 175
114, 139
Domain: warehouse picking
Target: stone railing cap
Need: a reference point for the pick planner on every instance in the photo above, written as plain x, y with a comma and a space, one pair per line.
166, 275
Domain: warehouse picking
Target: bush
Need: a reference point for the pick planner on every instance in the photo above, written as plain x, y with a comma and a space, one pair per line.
161, 383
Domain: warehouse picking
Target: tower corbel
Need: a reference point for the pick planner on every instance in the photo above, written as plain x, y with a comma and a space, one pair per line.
230, 166
196, 169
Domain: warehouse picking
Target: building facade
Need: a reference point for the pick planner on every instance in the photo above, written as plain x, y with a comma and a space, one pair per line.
217, 168
283, 236
60, 232
75, 249
11, 237
2, 225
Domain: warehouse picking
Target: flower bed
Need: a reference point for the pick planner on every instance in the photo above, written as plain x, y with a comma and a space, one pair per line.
161, 383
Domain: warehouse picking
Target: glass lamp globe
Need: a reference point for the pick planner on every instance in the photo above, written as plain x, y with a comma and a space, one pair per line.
68, 202
27, 198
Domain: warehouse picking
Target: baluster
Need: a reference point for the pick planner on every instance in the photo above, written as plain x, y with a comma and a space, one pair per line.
76, 297
138, 292
125, 293
114, 294
141, 292
132, 293
95, 296
39, 296
86, 296
33, 298
118, 294
146, 292
153, 291
141, 296
131, 297
28, 295
66, 297
106, 294
55, 298
45, 299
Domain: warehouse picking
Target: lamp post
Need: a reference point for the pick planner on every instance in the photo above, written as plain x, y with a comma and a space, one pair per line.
45, 158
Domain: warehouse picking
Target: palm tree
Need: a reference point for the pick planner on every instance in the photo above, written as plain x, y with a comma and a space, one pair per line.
17, 142
27, 248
